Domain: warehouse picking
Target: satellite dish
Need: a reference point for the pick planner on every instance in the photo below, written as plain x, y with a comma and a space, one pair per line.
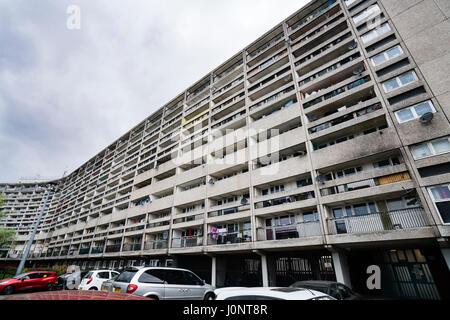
211, 181
426, 117
352, 46
244, 201
357, 71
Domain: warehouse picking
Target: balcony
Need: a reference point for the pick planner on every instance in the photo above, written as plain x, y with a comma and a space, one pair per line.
379, 221
112, 248
290, 231
132, 246
224, 238
156, 244
84, 250
187, 242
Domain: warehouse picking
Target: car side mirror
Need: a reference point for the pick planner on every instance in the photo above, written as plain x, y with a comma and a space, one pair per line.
203, 282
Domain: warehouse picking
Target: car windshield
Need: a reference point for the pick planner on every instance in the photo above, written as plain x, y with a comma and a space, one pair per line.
20, 275
88, 275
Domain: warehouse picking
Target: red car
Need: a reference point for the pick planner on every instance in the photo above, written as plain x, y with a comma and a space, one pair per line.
29, 280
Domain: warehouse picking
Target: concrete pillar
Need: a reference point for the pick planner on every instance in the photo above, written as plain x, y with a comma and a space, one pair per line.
213, 271
265, 274
341, 268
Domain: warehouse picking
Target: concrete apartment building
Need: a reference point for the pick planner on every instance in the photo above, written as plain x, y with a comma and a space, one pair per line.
319, 150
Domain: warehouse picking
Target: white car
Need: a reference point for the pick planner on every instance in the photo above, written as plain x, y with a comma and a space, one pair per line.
93, 280
270, 293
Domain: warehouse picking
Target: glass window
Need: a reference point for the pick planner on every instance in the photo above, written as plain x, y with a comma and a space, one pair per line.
423, 108
337, 213
375, 33
390, 85
192, 279
421, 151
360, 209
404, 115
400, 81
366, 14
407, 78
150, 276
103, 275
440, 193
378, 59
395, 51
441, 145
126, 276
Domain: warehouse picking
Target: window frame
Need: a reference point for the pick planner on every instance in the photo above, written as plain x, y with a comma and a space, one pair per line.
413, 111
429, 145
435, 201
366, 14
376, 32
386, 55
398, 82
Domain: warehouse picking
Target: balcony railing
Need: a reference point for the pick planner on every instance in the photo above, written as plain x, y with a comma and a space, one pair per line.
112, 248
96, 250
379, 221
290, 231
186, 242
132, 246
156, 244
215, 238
84, 250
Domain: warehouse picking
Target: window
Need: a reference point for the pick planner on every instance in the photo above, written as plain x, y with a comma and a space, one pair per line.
126, 276
431, 148
103, 275
174, 277
151, 276
370, 12
386, 55
192, 279
375, 33
399, 81
441, 197
415, 111
310, 216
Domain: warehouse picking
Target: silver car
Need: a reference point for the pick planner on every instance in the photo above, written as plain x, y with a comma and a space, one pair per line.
163, 284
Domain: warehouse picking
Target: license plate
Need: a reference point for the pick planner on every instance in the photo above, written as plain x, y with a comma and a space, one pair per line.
80, 288
116, 289
105, 288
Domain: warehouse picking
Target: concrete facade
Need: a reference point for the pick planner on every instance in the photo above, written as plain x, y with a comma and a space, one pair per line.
287, 162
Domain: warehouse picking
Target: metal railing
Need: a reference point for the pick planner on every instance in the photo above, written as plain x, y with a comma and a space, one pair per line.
290, 231
215, 238
379, 221
156, 244
186, 242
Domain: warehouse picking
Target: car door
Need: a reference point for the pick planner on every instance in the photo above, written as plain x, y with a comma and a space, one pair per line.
194, 286
175, 288
30, 281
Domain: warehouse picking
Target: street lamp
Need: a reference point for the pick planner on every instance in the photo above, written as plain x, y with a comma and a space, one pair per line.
50, 188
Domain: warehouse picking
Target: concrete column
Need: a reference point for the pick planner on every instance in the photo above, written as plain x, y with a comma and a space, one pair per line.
265, 274
213, 271
341, 268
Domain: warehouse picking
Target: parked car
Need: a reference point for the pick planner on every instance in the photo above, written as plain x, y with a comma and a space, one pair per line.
28, 281
163, 283
76, 295
335, 289
68, 281
106, 285
270, 293
93, 279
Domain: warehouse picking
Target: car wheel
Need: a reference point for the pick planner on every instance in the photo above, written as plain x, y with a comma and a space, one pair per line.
209, 296
93, 288
8, 290
49, 287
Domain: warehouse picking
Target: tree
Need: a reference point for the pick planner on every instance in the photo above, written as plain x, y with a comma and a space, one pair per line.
6, 235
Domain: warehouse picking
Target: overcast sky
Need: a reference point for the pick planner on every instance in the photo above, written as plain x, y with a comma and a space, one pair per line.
67, 94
